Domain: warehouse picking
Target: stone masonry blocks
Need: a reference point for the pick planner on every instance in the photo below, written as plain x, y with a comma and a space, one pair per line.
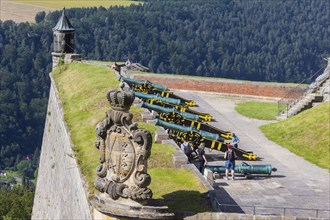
60, 192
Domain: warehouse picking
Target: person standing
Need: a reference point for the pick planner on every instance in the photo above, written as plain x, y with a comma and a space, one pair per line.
235, 140
187, 148
201, 157
230, 157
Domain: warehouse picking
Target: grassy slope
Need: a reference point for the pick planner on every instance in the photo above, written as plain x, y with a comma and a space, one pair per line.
306, 134
59, 4
258, 110
82, 89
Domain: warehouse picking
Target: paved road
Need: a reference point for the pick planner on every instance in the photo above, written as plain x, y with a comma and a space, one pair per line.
296, 184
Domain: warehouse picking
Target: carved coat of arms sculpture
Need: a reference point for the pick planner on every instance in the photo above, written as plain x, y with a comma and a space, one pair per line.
124, 150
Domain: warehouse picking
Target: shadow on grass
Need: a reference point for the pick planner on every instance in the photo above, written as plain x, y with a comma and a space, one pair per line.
184, 203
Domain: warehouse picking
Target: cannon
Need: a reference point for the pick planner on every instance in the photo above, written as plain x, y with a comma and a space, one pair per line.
180, 108
244, 168
184, 129
166, 111
185, 119
142, 86
213, 141
171, 103
169, 94
156, 89
157, 97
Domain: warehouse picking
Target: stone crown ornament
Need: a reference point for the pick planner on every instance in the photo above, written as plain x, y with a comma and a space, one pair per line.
122, 180
124, 150
120, 100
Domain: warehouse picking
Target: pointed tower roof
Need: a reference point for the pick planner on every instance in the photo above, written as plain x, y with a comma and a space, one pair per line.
63, 23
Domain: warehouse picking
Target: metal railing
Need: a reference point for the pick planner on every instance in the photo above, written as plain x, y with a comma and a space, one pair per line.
275, 211
284, 104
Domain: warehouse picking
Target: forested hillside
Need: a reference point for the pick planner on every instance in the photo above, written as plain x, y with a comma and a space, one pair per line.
24, 84
16, 203
24, 66
282, 41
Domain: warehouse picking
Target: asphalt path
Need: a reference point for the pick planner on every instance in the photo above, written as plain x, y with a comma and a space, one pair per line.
297, 188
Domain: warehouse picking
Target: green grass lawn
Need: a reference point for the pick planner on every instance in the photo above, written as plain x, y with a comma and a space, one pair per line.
59, 4
306, 134
258, 110
83, 89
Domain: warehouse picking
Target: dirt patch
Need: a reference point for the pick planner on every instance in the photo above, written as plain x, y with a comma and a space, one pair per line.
227, 86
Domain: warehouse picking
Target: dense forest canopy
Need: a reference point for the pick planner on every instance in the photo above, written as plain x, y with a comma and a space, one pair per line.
16, 203
24, 83
279, 41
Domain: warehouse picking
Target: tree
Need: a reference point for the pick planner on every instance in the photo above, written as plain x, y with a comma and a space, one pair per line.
40, 16
16, 203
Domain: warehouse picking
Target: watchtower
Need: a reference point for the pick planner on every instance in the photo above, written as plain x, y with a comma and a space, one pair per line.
63, 34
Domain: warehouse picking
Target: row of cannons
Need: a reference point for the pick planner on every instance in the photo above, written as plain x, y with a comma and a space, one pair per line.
174, 113
122, 180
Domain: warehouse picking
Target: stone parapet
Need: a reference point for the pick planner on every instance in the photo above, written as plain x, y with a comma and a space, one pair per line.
160, 136
68, 58
146, 115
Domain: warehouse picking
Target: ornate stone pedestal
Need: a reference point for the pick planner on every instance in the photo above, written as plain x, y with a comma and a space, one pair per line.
120, 210
122, 177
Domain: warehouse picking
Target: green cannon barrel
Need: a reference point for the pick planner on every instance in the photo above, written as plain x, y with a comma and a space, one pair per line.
158, 97
158, 86
245, 169
156, 108
181, 108
169, 94
156, 89
172, 126
204, 134
130, 81
169, 110
186, 119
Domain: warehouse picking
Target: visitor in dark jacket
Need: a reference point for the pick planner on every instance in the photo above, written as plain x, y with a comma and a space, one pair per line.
230, 157
201, 156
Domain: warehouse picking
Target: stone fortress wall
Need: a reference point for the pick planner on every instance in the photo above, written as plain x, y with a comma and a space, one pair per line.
60, 191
